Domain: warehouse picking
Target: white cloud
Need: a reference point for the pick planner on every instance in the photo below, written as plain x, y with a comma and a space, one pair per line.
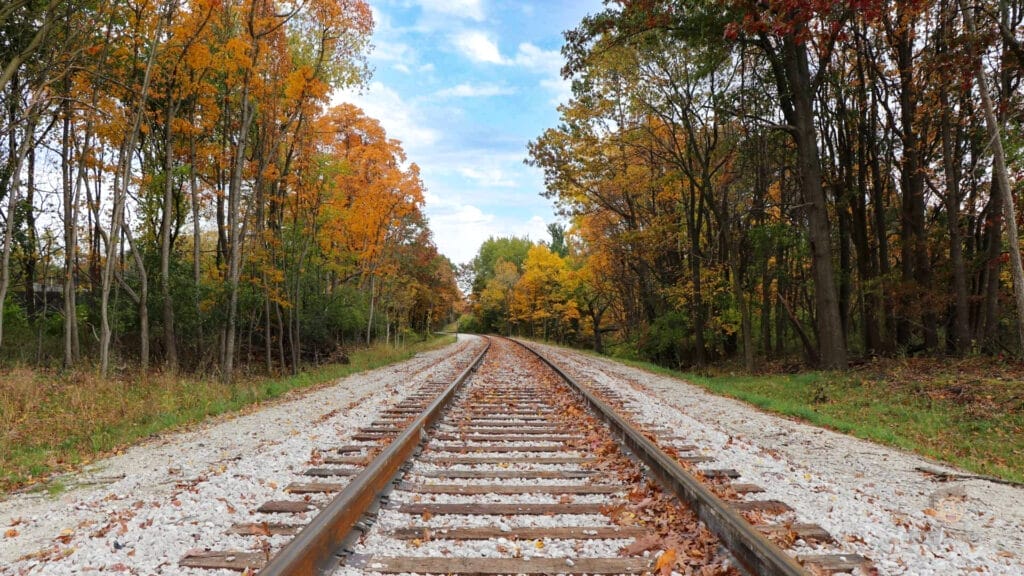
478, 47
402, 68
459, 229
535, 229
398, 117
493, 177
534, 58
474, 91
471, 9
391, 51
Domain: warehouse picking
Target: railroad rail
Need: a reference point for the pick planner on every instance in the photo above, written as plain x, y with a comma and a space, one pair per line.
462, 461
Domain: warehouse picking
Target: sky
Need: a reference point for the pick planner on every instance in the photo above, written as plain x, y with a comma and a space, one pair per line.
464, 85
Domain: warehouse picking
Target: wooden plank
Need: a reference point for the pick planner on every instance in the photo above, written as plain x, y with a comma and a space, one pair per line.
265, 529
489, 420
487, 566
472, 437
331, 471
503, 448
506, 473
372, 436
509, 460
349, 448
501, 509
514, 427
510, 489
224, 560
744, 488
833, 563
724, 473
766, 506
695, 459
313, 487
353, 460
527, 533
504, 412
285, 507
806, 532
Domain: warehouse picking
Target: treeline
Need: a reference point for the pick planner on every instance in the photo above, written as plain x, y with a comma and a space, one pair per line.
761, 179
175, 189
546, 290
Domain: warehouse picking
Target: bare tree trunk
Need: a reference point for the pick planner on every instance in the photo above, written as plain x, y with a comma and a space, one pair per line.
13, 196
30, 249
70, 204
120, 193
369, 322
141, 300
236, 231
961, 313
170, 338
196, 238
1002, 178
831, 340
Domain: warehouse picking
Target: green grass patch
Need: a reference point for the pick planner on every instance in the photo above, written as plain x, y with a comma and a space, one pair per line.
58, 421
969, 413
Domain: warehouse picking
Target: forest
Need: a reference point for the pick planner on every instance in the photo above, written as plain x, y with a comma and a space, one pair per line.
753, 180
178, 189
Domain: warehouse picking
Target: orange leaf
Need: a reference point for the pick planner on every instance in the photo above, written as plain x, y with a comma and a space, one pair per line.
665, 562
11, 533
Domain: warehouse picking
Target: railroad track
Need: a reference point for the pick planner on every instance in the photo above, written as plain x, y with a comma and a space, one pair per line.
517, 469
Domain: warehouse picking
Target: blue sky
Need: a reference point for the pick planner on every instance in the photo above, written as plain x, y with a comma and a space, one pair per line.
465, 84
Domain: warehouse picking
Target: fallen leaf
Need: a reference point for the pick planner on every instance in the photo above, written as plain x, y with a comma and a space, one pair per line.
665, 562
10, 533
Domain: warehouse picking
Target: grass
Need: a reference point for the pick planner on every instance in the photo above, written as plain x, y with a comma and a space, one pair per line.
969, 412
53, 422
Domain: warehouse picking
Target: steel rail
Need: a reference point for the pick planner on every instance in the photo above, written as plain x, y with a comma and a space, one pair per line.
313, 549
755, 553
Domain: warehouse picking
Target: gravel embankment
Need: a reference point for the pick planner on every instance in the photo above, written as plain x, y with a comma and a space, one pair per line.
140, 512
870, 497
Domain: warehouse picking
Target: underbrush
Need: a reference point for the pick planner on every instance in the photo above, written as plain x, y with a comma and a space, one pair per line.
55, 421
968, 412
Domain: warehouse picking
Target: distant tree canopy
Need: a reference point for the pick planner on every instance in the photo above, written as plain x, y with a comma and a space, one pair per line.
174, 186
763, 179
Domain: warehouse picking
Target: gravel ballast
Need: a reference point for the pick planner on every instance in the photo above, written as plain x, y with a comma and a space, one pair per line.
140, 512
872, 498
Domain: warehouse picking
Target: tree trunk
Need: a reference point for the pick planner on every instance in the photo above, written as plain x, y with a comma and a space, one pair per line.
170, 338
69, 196
120, 193
1001, 176
746, 323
916, 264
961, 312
18, 156
596, 313
369, 322
831, 342
142, 302
30, 248
236, 226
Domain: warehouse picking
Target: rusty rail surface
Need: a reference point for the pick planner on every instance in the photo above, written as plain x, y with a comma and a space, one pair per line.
313, 549
755, 553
